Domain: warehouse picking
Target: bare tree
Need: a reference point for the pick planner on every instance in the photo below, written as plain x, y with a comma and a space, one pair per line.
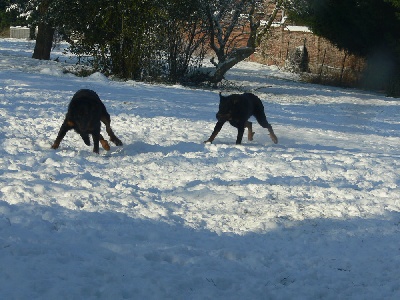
235, 30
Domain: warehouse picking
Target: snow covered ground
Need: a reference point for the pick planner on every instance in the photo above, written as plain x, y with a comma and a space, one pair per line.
316, 216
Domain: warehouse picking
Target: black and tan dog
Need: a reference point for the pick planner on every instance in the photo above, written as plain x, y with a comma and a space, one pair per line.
237, 109
85, 111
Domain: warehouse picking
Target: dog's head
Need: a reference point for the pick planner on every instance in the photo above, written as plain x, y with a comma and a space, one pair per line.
225, 108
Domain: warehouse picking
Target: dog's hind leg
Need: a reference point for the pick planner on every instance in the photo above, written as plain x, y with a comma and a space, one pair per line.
107, 122
264, 123
250, 133
272, 135
262, 120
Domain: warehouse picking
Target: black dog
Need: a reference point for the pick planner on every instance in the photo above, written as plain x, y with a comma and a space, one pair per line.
85, 111
237, 109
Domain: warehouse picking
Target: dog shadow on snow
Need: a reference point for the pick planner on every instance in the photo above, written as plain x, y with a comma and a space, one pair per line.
139, 147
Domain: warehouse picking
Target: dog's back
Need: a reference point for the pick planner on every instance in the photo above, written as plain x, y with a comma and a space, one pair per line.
256, 106
84, 98
246, 105
85, 110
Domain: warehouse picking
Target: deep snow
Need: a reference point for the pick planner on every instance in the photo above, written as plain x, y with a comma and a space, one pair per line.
316, 216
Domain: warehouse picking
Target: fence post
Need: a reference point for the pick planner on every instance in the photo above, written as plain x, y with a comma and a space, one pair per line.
322, 64
342, 70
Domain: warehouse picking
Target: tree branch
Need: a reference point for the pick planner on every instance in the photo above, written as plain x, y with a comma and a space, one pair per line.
267, 26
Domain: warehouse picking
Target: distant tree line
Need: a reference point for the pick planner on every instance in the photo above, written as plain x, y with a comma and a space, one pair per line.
149, 39
167, 40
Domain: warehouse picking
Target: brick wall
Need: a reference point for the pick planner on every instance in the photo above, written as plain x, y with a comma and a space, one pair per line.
324, 58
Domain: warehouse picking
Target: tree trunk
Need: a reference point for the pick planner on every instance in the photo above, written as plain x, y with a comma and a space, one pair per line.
234, 58
44, 42
44, 38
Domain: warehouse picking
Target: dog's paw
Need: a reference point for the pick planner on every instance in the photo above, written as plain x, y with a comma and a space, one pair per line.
251, 136
55, 146
117, 141
274, 138
105, 145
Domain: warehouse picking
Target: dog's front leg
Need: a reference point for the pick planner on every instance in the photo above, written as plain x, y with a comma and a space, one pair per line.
104, 143
240, 133
85, 138
61, 134
217, 129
